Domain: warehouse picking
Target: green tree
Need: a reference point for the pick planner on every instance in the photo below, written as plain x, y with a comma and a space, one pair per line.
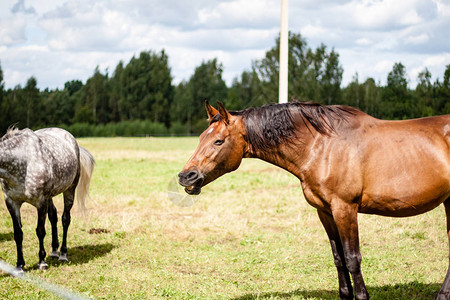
442, 103
372, 98
73, 86
314, 62
365, 96
181, 112
331, 78
115, 87
245, 92
314, 75
396, 99
59, 108
33, 105
4, 106
146, 88
93, 107
205, 84
354, 93
424, 95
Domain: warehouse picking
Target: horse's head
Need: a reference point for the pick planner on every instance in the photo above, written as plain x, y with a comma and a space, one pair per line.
221, 149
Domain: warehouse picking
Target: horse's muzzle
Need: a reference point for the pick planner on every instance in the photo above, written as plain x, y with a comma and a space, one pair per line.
192, 180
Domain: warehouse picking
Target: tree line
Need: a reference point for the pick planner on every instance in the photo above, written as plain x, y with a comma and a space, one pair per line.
140, 97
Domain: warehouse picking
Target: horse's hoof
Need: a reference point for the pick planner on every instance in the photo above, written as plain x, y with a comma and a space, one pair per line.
54, 254
17, 272
43, 265
63, 257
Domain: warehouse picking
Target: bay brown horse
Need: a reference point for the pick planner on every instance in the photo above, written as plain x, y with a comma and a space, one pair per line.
347, 162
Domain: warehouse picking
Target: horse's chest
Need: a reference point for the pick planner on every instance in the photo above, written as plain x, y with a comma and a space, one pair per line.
313, 198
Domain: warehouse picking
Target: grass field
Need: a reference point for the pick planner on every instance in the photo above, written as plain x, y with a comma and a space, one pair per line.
250, 236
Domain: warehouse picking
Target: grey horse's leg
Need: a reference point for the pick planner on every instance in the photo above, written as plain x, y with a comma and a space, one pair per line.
14, 211
40, 232
53, 217
69, 197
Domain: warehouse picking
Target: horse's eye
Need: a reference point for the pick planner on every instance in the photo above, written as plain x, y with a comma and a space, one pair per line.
219, 142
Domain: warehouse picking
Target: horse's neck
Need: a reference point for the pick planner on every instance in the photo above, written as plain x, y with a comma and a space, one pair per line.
287, 157
290, 156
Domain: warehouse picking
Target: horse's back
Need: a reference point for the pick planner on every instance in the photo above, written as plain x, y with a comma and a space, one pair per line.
406, 165
64, 137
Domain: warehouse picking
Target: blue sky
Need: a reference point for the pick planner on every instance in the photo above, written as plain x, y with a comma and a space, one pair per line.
57, 41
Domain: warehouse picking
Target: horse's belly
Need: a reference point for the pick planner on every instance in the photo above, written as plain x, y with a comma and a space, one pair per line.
405, 202
20, 193
406, 181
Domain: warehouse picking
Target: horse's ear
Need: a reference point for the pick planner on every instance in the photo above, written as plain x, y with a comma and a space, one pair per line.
210, 110
224, 114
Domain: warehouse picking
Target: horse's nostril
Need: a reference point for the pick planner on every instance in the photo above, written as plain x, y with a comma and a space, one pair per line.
192, 175
188, 177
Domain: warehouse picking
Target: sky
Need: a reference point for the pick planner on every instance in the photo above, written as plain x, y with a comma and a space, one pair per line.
61, 40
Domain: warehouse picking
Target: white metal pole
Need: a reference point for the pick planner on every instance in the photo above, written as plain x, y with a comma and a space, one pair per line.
284, 51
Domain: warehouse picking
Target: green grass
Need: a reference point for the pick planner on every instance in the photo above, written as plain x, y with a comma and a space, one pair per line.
251, 235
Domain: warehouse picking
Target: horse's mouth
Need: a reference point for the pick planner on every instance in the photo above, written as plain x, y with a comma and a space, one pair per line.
192, 186
193, 189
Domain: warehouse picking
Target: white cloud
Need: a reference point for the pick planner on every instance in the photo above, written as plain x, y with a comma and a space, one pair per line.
363, 41
76, 36
384, 14
313, 30
443, 7
383, 66
12, 31
437, 60
237, 13
417, 39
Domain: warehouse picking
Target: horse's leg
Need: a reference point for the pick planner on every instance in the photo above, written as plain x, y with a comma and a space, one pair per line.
40, 232
345, 285
14, 211
346, 218
53, 217
444, 292
69, 197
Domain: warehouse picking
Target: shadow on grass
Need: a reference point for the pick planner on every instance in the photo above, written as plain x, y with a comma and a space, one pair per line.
407, 291
77, 256
4, 237
83, 254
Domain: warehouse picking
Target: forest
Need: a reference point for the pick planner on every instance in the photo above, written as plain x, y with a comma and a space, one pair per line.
139, 97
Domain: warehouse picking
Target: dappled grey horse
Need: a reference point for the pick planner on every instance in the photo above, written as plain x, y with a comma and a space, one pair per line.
35, 166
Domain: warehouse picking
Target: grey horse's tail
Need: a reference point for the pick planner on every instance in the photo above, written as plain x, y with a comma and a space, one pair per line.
87, 163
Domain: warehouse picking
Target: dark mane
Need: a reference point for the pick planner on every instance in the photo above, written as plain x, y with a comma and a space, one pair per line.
273, 124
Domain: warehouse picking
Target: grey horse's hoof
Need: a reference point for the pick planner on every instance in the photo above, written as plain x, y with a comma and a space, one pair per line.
63, 257
54, 254
43, 265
